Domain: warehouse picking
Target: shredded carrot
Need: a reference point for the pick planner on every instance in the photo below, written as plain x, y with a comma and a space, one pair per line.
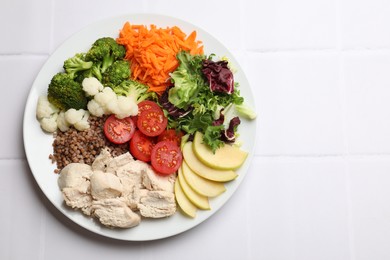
152, 52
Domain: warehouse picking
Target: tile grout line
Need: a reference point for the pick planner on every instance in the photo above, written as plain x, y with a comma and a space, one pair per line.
242, 45
347, 155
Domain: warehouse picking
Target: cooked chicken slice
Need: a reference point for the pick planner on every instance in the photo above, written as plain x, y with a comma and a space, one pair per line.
79, 197
133, 199
157, 204
75, 186
153, 181
105, 185
115, 213
74, 175
130, 176
118, 162
102, 160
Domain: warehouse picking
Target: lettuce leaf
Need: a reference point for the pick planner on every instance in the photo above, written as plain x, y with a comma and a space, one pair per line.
186, 79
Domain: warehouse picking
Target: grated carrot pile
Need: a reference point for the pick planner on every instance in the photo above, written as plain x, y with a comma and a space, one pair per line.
152, 52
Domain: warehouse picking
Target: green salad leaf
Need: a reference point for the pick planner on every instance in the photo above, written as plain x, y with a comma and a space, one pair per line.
186, 79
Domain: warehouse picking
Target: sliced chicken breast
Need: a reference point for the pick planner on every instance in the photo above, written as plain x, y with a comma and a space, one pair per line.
105, 185
115, 213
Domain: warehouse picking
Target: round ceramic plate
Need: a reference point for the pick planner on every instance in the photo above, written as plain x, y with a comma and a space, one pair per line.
38, 145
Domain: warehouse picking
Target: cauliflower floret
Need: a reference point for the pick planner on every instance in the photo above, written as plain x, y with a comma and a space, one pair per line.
73, 116
49, 124
83, 124
98, 106
95, 108
107, 102
62, 124
47, 114
123, 107
105, 97
77, 118
92, 86
45, 108
112, 106
126, 107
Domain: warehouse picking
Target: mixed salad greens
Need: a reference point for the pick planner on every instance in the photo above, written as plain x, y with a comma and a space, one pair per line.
202, 93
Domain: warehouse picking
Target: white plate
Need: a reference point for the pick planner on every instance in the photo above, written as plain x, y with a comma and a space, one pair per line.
38, 145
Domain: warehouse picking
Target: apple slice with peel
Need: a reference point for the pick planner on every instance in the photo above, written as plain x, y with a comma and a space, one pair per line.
201, 185
200, 201
227, 157
184, 203
204, 171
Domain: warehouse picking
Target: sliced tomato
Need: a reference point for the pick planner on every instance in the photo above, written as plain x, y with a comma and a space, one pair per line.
117, 130
152, 122
141, 146
144, 105
147, 104
171, 135
166, 157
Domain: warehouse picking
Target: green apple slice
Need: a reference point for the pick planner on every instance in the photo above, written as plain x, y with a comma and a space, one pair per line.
201, 185
228, 157
184, 203
204, 171
200, 201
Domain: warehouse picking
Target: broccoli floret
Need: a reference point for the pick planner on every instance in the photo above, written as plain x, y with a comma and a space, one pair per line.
94, 71
122, 89
76, 63
116, 73
106, 50
135, 89
65, 93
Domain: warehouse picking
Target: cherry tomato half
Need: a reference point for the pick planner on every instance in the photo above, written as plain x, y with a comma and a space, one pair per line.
152, 122
144, 105
117, 130
141, 146
147, 104
171, 135
166, 157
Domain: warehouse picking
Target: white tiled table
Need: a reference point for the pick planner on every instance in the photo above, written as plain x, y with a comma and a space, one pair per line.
319, 184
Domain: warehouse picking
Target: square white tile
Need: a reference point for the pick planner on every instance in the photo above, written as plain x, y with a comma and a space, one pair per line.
298, 103
365, 24
369, 182
301, 209
367, 95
